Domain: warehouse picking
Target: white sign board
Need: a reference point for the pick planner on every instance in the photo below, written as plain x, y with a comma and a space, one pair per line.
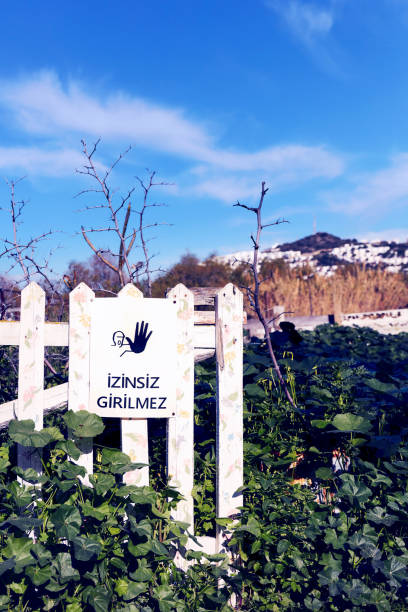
133, 358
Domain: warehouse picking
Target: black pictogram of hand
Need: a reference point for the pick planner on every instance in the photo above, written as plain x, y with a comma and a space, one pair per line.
141, 338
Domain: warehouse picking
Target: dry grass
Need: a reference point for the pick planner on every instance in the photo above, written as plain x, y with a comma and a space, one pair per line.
351, 289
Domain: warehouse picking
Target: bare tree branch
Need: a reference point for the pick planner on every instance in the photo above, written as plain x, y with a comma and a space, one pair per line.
253, 294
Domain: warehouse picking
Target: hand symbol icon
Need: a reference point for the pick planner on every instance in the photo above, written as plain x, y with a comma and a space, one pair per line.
141, 338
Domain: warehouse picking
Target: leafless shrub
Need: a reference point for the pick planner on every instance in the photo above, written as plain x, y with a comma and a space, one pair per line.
253, 292
128, 235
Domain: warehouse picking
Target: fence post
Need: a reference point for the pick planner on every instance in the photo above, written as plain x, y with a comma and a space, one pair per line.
30, 403
337, 309
134, 432
80, 301
229, 356
180, 430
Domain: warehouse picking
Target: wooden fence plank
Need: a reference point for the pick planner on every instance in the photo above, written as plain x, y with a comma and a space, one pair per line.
204, 317
10, 333
180, 433
204, 336
52, 398
207, 317
80, 301
204, 296
31, 368
201, 354
229, 354
135, 442
55, 334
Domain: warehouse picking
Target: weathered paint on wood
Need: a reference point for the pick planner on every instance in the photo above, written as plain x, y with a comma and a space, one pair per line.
204, 296
180, 433
55, 334
204, 317
204, 336
135, 442
80, 300
229, 350
53, 397
192, 345
31, 368
207, 317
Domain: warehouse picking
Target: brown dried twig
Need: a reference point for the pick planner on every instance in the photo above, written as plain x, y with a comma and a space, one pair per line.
254, 294
119, 218
23, 255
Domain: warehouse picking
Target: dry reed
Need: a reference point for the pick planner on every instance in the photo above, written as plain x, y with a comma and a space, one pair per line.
350, 289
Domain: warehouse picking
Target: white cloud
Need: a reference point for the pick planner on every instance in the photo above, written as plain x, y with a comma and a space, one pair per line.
396, 235
279, 167
40, 162
307, 21
227, 188
311, 24
375, 193
42, 107
313, 161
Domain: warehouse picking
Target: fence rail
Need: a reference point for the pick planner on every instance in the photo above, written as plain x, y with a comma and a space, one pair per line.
200, 334
384, 321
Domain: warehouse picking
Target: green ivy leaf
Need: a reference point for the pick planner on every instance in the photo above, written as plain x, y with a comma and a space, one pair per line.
143, 572
99, 598
134, 589
355, 492
330, 577
395, 570
102, 482
23, 433
252, 526
41, 553
6, 565
74, 606
121, 586
18, 587
282, 546
324, 473
379, 516
99, 513
351, 422
85, 548
39, 575
84, 424
379, 599
67, 521
70, 448
254, 392
30, 475
24, 523
20, 550
118, 462
139, 550
379, 386
65, 572
319, 423
70, 471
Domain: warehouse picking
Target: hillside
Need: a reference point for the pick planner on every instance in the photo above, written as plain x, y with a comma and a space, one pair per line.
326, 252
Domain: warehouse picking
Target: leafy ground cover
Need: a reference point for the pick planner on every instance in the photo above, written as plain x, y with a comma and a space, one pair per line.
325, 518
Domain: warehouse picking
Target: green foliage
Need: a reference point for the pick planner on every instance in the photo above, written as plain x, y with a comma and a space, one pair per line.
109, 546
321, 530
193, 273
324, 523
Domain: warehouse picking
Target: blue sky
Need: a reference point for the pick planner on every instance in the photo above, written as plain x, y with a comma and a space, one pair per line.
216, 96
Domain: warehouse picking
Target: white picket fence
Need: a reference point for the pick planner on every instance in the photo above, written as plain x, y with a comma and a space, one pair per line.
199, 334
